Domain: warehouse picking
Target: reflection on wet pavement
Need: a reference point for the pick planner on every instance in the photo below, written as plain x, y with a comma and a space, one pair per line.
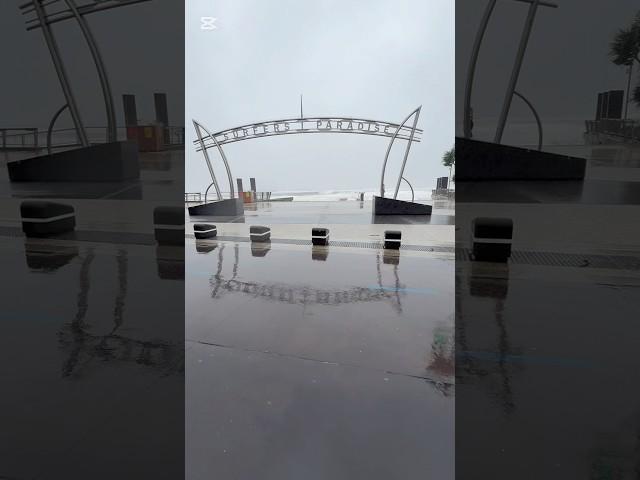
99, 356
305, 363
547, 389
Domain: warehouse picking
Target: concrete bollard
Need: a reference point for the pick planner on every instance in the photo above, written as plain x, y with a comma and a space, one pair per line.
42, 218
392, 239
168, 223
258, 233
491, 239
320, 236
204, 230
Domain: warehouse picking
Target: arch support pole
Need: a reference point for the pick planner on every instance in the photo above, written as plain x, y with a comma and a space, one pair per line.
406, 152
473, 61
102, 72
535, 114
416, 112
515, 73
61, 72
196, 125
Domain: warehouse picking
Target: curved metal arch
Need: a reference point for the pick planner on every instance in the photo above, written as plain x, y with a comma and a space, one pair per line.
411, 187
467, 119
51, 125
535, 114
401, 136
44, 20
416, 112
102, 72
243, 132
199, 126
61, 72
471, 70
308, 119
206, 192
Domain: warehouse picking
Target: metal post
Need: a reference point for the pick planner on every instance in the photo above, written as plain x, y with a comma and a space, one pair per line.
406, 152
535, 114
206, 155
51, 124
472, 68
524, 39
626, 105
61, 72
386, 156
102, 73
208, 162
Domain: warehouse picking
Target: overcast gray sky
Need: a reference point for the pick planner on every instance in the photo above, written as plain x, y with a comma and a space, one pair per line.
371, 59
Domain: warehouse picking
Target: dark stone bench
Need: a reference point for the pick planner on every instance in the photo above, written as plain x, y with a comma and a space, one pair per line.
42, 218
392, 239
491, 239
204, 230
320, 236
168, 225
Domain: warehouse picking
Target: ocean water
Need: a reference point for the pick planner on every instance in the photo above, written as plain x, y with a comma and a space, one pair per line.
348, 195
524, 132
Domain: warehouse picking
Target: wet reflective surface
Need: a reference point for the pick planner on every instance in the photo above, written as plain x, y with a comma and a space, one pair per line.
91, 361
318, 363
547, 388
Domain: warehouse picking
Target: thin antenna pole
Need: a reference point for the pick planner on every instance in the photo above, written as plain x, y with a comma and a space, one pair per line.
301, 116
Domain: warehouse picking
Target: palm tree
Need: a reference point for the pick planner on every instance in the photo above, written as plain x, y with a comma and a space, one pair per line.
449, 159
624, 50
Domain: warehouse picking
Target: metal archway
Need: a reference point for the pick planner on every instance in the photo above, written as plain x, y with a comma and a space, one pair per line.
307, 125
43, 20
515, 73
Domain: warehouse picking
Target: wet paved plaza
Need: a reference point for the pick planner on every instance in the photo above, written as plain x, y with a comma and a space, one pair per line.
548, 388
92, 361
318, 362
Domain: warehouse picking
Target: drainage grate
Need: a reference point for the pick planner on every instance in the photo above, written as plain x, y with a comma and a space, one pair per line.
338, 243
556, 259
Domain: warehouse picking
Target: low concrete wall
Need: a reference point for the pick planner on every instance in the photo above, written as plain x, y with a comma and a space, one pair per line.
391, 206
477, 160
230, 207
106, 162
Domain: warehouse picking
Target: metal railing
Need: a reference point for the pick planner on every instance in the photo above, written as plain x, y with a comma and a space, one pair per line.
19, 138
198, 197
625, 129
34, 139
192, 197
